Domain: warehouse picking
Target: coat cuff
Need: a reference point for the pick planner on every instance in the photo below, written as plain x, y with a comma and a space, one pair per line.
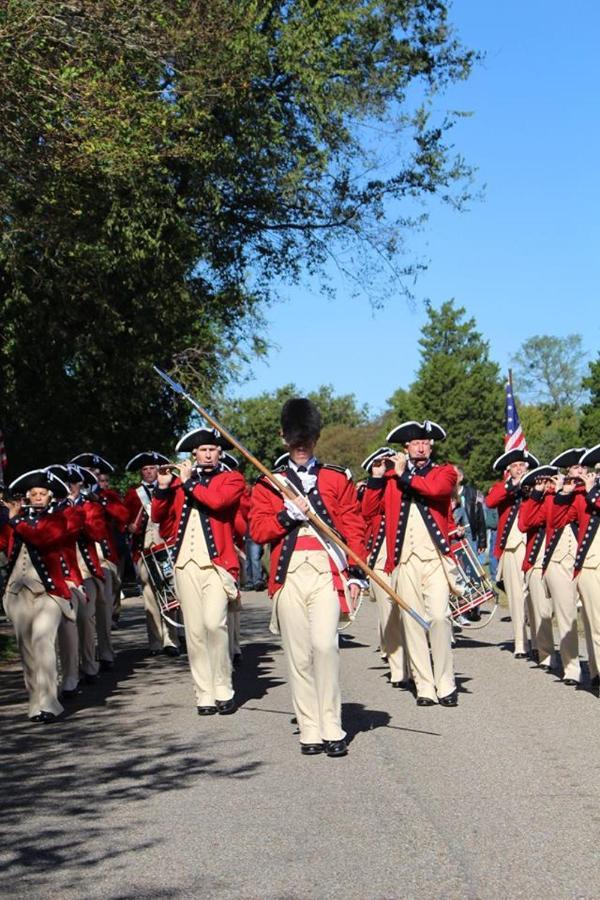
162, 493
375, 483
563, 499
593, 494
286, 520
188, 486
16, 520
538, 496
356, 573
405, 478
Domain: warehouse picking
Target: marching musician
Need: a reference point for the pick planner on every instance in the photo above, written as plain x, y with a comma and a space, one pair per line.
578, 500
559, 562
196, 510
415, 497
162, 637
391, 623
37, 595
305, 582
537, 487
116, 517
506, 496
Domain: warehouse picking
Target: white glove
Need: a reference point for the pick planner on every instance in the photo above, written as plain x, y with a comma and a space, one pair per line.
293, 511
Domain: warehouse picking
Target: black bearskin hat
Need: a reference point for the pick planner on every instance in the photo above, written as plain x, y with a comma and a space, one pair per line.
300, 421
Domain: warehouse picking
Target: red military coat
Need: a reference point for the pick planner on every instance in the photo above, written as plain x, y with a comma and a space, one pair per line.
583, 508
86, 527
215, 495
44, 536
116, 518
533, 517
333, 498
136, 515
506, 498
391, 495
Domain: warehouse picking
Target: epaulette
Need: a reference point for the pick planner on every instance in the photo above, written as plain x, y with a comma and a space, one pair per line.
341, 469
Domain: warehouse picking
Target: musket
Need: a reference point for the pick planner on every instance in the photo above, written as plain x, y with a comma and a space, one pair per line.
288, 492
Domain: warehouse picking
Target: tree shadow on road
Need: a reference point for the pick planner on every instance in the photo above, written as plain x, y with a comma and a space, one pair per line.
61, 783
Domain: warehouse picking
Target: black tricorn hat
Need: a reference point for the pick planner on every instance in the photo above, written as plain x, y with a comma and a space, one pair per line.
380, 453
198, 437
39, 478
530, 477
147, 458
415, 431
568, 458
93, 461
300, 421
513, 456
591, 457
229, 460
71, 473
281, 460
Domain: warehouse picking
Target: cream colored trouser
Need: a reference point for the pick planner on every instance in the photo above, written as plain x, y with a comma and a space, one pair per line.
588, 583
86, 625
68, 644
391, 631
36, 618
105, 603
424, 586
308, 611
563, 591
160, 633
514, 585
540, 614
204, 605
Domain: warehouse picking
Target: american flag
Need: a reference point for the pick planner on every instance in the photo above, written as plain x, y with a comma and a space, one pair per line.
514, 438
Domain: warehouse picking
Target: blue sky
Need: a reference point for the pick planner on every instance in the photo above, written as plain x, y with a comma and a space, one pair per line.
525, 259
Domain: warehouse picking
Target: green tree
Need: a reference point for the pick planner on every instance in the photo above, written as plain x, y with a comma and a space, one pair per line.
590, 418
162, 162
255, 421
458, 386
548, 370
549, 431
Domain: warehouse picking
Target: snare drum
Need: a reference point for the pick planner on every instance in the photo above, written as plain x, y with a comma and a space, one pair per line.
158, 560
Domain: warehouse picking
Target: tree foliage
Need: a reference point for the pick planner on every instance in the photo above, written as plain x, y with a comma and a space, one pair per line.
255, 421
161, 162
459, 386
590, 418
548, 430
549, 370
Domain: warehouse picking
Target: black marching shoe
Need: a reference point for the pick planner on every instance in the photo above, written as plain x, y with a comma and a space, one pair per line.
91, 679
44, 717
237, 660
106, 665
595, 682
425, 701
207, 710
570, 682
521, 656
171, 650
225, 707
335, 748
449, 700
311, 749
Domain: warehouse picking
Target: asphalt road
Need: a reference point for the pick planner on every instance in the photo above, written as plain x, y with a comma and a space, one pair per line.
132, 795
